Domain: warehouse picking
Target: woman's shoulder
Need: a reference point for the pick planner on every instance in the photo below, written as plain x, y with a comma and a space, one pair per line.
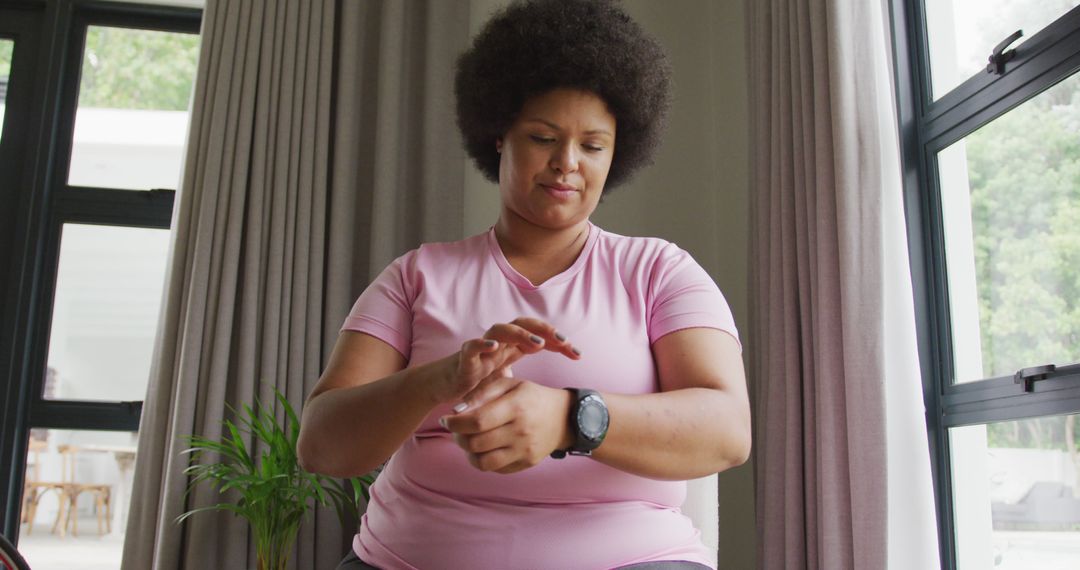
441, 248
637, 249
441, 254
647, 263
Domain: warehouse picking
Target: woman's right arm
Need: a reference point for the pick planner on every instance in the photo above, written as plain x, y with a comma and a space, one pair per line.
365, 405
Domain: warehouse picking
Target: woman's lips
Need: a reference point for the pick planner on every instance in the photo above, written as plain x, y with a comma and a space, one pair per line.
559, 191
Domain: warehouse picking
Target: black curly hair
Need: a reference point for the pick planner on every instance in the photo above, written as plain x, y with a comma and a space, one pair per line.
534, 46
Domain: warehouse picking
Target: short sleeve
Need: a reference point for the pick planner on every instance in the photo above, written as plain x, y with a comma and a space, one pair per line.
384, 309
682, 296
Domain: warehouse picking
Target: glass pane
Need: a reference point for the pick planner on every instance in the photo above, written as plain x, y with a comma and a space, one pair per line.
962, 33
76, 497
132, 117
108, 294
1016, 498
7, 48
1011, 206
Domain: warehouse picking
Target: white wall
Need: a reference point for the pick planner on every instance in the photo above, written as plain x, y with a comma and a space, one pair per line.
696, 194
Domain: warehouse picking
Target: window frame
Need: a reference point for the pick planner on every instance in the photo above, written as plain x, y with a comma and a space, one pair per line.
926, 127
44, 202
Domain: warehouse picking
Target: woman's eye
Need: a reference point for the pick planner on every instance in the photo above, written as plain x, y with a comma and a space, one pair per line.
543, 140
593, 148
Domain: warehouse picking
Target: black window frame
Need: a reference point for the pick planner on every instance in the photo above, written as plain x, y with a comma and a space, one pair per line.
41, 202
927, 126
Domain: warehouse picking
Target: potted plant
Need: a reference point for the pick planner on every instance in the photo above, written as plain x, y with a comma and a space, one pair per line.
275, 493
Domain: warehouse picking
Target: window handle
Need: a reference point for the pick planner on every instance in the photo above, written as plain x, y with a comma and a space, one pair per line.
1000, 56
1029, 376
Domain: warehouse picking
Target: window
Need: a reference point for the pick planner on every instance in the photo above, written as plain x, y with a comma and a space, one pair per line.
991, 141
104, 112
7, 47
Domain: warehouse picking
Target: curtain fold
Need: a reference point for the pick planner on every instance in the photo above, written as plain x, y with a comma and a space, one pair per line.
842, 441
321, 146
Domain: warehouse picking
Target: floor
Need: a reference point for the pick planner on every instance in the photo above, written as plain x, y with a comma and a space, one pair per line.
1032, 550
44, 550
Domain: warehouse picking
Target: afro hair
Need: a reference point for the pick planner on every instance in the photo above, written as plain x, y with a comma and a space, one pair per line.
532, 47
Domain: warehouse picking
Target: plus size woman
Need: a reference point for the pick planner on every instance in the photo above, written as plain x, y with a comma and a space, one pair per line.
539, 392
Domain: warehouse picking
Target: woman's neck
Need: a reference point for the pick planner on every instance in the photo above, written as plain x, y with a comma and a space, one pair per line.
540, 253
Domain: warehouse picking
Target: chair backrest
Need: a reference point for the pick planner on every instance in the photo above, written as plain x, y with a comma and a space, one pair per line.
702, 505
33, 468
67, 458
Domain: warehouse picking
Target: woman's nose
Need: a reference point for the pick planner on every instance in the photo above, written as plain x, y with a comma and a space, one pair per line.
565, 159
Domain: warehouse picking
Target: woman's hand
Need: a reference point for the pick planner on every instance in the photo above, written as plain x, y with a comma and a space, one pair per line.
491, 356
510, 424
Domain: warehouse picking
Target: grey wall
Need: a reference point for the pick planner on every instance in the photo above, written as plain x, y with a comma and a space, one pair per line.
696, 194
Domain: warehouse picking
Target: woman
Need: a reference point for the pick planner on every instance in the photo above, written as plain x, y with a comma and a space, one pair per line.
560, 436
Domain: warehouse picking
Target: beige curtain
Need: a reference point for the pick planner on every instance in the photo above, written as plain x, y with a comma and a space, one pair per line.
321, 146
841, 460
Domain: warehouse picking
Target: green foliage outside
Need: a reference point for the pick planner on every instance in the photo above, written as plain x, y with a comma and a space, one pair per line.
1024, 174
138, 69
6, 47
132, 69
1024, 170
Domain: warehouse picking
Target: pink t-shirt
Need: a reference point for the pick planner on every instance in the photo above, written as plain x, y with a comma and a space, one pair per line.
430, 508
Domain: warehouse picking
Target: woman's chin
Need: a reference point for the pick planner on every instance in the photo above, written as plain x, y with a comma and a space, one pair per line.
558, 221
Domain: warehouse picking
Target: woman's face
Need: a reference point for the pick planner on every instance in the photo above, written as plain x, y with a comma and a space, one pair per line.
555, 158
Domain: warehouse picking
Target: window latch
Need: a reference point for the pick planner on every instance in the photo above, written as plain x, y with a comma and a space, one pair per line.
1000, 56
1029, 376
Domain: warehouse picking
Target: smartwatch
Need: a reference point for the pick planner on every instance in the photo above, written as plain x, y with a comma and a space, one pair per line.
588, 421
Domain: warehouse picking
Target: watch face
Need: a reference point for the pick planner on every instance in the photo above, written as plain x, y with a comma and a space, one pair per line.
592, 419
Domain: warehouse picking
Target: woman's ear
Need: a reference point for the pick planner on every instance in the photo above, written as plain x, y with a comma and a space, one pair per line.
498, 145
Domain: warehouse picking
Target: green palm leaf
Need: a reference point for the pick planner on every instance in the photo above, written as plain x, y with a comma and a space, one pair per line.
273, 493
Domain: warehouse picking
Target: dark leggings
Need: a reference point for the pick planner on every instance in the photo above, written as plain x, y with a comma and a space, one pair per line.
353, 562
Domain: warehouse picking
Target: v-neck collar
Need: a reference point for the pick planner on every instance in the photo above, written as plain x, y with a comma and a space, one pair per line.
521, 281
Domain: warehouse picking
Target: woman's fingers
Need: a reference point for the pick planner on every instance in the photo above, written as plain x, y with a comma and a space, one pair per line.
501, 346
533, 335
497, 450
471, 363
489, 389
554, 340
484, 442
477, 346
493, 460
526, 340
471, 416
514, 431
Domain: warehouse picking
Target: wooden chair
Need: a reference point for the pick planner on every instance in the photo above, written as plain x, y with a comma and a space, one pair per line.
101, 493
34, 489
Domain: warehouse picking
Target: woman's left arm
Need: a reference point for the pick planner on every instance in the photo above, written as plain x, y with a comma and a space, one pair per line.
698, 424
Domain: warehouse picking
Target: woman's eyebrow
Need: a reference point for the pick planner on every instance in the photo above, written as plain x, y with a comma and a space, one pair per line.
558, 128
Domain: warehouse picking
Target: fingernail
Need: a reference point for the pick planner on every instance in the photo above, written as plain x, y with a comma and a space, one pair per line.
442, 422
490, 343
461, 407
536, 339
576, 350
560, 336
